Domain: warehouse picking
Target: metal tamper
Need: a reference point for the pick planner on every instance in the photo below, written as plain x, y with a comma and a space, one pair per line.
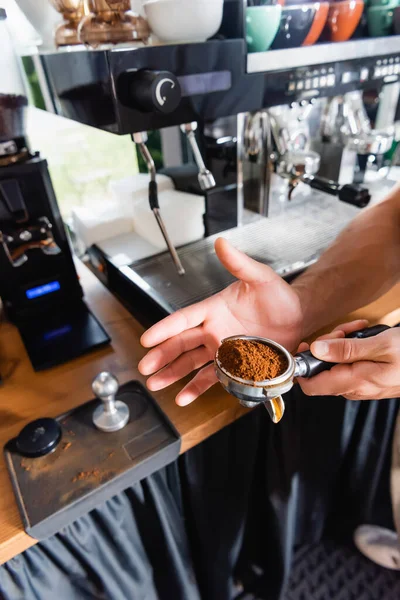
111, 414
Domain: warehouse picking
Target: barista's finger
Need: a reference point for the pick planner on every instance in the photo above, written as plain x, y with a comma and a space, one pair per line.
179, 368
339, 381
350, 350
303, 347
162, 355
328, 336
352, 326
199, 384
181, 320
242, 266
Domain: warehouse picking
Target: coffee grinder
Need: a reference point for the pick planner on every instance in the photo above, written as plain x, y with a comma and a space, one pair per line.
39, 286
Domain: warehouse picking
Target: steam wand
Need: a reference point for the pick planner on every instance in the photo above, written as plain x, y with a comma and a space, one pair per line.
140, 139
205, 177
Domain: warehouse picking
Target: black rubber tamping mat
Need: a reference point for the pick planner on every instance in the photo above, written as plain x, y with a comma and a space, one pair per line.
89, 466
338, 571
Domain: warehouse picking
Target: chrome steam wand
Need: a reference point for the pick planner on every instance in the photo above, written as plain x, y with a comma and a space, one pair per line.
205, 177
140, 140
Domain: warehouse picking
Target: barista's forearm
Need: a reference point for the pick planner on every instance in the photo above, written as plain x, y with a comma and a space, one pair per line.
361, 265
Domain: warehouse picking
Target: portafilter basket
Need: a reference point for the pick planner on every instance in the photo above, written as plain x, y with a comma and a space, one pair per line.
269, 392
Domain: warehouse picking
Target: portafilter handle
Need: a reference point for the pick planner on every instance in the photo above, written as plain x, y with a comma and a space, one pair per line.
351, 193
308, 365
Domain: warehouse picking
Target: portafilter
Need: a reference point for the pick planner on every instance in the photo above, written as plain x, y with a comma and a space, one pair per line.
269, 392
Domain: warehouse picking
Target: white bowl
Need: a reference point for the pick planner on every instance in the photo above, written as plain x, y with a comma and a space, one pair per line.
184, 20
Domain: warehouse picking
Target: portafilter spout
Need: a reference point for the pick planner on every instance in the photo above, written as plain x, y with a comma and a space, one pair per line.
140, 140
205, 177
269, 392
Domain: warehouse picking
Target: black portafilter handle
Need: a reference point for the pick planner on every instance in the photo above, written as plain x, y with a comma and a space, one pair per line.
351, 193
315, 365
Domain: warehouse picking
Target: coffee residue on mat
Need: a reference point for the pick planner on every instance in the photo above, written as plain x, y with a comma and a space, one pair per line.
251, 360
83, 475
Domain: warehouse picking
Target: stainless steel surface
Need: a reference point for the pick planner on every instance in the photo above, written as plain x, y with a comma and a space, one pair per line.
323, 53
374, 142
205, 177
140, 139
291, 240
254, 146
110, 415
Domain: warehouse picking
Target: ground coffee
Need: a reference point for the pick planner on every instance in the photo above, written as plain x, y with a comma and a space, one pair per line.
251, 360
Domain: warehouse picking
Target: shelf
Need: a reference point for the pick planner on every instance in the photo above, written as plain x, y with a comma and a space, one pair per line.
280, 60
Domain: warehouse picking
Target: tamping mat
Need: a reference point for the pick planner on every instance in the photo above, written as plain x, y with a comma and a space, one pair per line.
89, 466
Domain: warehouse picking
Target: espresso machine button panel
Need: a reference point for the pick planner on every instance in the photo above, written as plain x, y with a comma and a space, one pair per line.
339, 78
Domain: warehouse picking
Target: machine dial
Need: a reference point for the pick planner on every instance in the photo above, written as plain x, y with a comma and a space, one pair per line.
150, 91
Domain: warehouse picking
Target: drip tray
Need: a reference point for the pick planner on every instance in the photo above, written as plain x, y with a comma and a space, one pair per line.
288, 242
89, 466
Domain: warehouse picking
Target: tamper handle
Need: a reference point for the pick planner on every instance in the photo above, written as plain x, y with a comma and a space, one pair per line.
309, 365
111, 415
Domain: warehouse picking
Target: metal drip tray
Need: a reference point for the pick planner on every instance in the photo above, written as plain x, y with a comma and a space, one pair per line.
288, 241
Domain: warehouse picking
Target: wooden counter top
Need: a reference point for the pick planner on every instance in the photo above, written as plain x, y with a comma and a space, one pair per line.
27, 395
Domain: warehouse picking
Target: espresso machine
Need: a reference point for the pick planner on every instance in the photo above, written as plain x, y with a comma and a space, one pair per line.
39, 286
246, 118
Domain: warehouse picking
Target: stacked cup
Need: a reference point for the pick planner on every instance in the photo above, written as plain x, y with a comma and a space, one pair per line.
382, 16
287, 24
343, 20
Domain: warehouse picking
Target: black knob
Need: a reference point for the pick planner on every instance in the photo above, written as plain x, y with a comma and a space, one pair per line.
149, 91
354, 194
39, 437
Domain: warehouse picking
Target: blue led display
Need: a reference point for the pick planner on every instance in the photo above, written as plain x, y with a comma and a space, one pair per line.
55, 333
42, 290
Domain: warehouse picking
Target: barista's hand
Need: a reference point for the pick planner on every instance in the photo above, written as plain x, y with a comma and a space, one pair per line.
368, 369
260, 303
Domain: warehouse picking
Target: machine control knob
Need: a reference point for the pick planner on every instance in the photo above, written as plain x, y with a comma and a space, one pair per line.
111, 414
149, 91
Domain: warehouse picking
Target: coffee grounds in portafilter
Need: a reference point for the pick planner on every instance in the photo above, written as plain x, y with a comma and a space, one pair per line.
251, 360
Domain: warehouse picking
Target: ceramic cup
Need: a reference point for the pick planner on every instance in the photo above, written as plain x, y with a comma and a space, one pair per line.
380, 20
184, 20
343, 19
382, 3
396, 20
262, 23
318, 24
295, 25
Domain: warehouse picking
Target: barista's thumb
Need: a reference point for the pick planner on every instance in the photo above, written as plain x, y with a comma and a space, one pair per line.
350, 350
242, 266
